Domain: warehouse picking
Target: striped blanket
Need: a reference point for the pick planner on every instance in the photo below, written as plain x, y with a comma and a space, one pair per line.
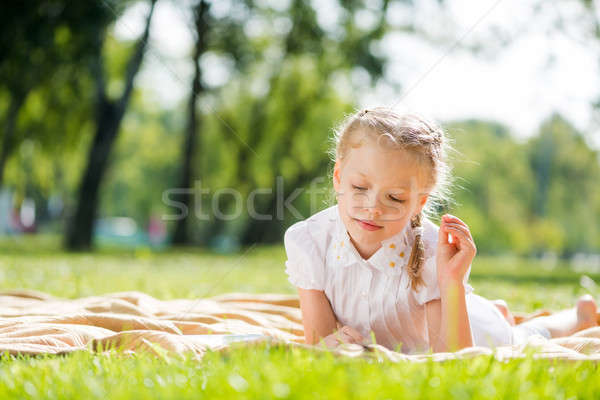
36, 323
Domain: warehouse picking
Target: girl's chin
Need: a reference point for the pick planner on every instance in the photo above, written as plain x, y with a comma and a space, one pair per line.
365, 236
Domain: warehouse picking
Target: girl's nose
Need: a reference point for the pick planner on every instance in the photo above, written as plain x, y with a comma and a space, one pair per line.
374, 213
373, 207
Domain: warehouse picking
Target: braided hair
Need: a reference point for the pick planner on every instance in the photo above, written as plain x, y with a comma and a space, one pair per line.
417, 254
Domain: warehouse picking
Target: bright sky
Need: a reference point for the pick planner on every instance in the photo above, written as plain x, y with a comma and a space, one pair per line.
518, 85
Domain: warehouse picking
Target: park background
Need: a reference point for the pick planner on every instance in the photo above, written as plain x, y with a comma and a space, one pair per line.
107, 108
98, 121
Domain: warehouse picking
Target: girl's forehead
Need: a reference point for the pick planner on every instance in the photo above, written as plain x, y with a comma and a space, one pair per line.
400, 180
396, 168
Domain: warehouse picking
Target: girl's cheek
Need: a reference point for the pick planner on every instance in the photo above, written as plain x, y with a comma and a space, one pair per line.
352, 199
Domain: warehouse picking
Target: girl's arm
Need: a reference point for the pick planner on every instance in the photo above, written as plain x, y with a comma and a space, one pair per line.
447, 317
447, 320
317, 315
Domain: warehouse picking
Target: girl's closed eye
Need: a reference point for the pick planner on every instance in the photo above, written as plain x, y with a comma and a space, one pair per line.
359, 187
397, 199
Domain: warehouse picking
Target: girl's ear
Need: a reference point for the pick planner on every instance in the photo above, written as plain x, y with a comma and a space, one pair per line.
422, 202
336, 176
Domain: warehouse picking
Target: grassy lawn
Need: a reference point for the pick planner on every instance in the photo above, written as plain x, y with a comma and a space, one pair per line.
265, 370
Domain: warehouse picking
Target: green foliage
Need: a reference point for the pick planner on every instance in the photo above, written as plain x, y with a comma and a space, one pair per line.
531, 197
144, 162
45, 49
567, 174
249, 140
274, 117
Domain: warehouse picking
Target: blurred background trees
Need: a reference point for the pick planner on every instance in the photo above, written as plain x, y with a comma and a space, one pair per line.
88, 154
108, 115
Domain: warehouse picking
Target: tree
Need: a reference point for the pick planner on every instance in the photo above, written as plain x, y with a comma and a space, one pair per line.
493, 187
566, 174
109, 114
201, 23
41, 43
226, 35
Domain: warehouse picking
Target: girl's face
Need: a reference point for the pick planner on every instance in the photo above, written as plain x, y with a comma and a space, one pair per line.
379, 190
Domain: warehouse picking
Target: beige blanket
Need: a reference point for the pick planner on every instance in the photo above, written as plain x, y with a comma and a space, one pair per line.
36, 323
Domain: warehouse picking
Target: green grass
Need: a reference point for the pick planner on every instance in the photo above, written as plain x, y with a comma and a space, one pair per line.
264, 370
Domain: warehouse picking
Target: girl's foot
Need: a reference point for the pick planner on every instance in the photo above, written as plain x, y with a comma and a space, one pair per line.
587, 313
503, 307
567, 322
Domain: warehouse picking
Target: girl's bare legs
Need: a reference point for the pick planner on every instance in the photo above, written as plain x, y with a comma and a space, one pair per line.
563, 323
503, 307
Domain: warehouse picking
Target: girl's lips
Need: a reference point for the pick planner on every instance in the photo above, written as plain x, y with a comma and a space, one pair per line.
367, 225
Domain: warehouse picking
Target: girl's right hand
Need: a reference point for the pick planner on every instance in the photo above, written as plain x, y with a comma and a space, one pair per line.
454, 258
345, 334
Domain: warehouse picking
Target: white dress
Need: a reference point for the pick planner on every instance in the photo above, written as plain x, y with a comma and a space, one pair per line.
374, 294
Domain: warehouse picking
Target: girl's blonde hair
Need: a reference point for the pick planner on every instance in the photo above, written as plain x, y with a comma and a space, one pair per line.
424, 139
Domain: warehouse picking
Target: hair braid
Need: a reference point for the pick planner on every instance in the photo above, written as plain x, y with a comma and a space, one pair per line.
417, 255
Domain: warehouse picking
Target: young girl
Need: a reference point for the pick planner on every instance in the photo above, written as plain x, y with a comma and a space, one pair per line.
374, 264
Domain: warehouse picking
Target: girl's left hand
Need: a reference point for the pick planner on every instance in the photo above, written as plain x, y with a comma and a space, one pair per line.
453, 259
345, 334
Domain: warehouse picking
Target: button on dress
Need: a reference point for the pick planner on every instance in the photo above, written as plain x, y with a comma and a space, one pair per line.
374, 295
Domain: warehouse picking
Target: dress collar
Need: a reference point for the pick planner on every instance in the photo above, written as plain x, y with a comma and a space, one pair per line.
390, 258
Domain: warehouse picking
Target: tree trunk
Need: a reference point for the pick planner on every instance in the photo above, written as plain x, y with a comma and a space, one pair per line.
108, 121
81, 229
181, 234
16, 102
